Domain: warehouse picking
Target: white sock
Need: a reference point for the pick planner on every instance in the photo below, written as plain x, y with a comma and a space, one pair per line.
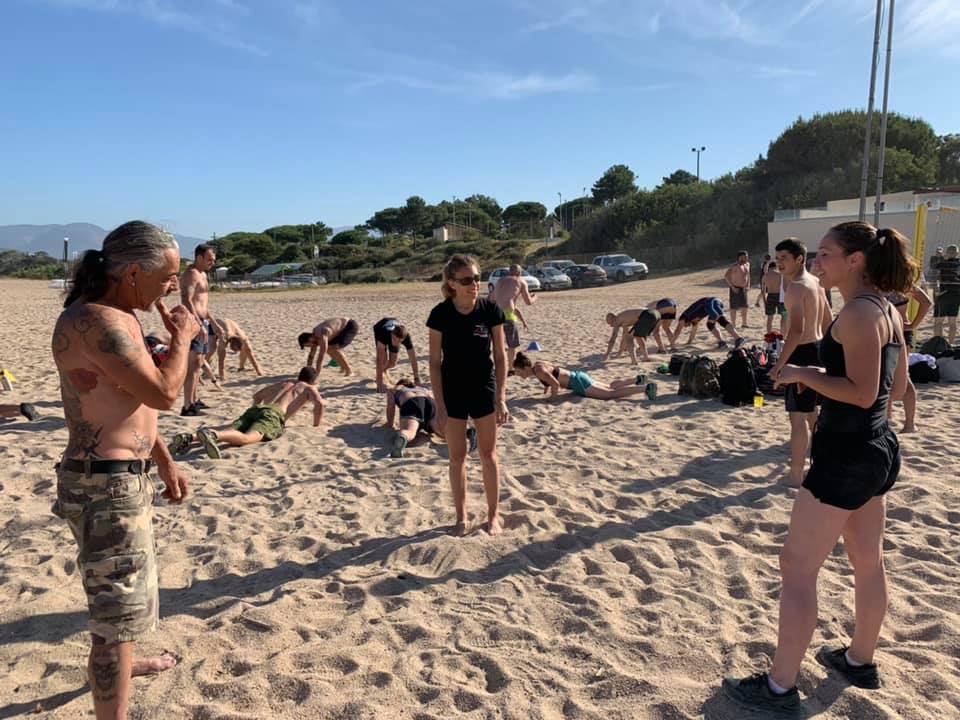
850, 661
774, 688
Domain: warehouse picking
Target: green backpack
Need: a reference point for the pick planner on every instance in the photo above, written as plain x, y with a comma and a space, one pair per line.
700, 378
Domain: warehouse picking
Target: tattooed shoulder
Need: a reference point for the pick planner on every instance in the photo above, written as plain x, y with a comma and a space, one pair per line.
116, 340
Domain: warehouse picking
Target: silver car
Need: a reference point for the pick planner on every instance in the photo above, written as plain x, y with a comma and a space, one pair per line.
552, 279
532, 283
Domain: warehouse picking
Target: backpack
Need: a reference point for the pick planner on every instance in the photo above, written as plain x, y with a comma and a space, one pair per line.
738, 381
936, 346
921, 372
676, 363
699, 377
949, 369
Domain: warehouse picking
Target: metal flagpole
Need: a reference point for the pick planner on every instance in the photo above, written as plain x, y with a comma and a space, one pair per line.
883, 117
865, 173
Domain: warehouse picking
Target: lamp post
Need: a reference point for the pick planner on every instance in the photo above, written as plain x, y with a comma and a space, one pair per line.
66, 263
560, 210
698, 150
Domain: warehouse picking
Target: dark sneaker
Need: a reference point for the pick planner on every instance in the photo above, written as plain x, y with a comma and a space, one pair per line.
721, 344
208, 438
29, 411
399, 445
201, 405
471, 439
180, 444
862, 676
754, 693
190, 411
740, 341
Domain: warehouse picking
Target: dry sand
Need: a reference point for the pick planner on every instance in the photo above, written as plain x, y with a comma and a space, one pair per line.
311, 577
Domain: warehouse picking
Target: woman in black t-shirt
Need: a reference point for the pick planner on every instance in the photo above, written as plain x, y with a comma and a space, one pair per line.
467, 383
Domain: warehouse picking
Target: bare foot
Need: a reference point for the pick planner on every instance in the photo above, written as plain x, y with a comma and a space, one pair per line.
909, 429
494, 525
459, 530
152, 665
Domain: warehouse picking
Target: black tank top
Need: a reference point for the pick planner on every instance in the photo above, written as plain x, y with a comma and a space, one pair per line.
841, 417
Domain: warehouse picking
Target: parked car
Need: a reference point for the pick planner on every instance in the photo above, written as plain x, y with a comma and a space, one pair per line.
532, 282
621, 267
560, 265
552, 279
587, 275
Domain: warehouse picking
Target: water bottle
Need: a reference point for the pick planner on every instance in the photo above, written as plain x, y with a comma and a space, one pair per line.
758, 400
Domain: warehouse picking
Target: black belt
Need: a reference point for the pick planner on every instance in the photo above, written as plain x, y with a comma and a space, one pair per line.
107, 467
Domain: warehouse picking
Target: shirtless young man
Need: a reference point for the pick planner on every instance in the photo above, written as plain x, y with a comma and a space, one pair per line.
272, 407
738, 278
331, 336
637, 326
770, 292
195, 297
807, 316
505, 294
111, 392
231, 337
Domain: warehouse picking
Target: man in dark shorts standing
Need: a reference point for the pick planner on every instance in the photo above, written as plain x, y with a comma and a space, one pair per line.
388, 335
195, 297
112, 391
738, 278
331, 336
711, 309
806, 307
946, 304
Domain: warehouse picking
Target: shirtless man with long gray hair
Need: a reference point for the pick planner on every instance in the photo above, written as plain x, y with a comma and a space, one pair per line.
112, 392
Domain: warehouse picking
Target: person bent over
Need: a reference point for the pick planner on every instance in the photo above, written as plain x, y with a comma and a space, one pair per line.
388, 335
711, 310
232, 338
331, 336
418, 413
265, 420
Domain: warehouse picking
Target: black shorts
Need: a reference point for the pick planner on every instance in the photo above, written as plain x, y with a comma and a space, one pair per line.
421, 409
738, 298
807, 355
947, 304
468, 399
847, 470
908, 338
645, 324
346, 335
772, 305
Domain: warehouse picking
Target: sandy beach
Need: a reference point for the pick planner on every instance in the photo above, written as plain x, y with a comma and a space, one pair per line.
312, 577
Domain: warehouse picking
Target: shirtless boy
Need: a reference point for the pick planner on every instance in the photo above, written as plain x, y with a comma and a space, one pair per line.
770, 292
195, 297
232, 337
738, 278
637, 325
331, 336
505, 294
807, 310
272, 407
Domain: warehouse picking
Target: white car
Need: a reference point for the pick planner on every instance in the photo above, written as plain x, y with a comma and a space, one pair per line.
532, 283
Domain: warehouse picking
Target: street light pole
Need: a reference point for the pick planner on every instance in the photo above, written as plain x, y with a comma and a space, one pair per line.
883, 117
560, 210
698, 150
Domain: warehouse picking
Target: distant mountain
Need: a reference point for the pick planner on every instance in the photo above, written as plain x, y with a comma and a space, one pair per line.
83, 236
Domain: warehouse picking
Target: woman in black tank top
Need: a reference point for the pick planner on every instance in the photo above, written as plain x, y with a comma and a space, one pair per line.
855, 460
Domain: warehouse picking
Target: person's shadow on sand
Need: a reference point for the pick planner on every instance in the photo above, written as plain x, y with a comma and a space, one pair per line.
44, 705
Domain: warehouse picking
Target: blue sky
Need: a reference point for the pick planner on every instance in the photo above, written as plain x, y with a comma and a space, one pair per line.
219, 115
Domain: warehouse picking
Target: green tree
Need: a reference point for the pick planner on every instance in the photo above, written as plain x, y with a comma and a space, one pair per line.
525, 211
388, 221
948, 156
256, 245
616, 182
488, 205
293, 252
680, 177
415, 216
357, 236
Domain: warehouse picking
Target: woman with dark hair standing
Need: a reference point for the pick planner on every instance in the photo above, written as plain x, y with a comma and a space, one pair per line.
855, 460
467, 383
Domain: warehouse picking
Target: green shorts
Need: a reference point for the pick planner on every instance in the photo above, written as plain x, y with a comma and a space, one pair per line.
110, 516
264, 419
580, 382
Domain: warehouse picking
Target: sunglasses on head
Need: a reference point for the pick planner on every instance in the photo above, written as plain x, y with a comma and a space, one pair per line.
468, 281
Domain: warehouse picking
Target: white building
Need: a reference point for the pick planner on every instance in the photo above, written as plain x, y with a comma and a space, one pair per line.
897, 210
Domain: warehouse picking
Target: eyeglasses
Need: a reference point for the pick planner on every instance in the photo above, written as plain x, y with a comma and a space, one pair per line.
468, 281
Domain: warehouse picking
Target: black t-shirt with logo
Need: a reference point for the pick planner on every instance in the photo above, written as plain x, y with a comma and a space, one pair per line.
466, 337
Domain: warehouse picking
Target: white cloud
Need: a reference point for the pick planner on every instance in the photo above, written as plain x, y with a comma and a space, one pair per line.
776, 71
186, 17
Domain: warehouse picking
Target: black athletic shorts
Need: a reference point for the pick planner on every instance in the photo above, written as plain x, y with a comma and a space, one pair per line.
772, 305
646, 323
346, 335
947, 304
469, 399
806, 355
738, 298
847, 470
421, 409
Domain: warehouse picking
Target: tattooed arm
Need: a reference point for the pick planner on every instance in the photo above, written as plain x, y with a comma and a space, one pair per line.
114, 342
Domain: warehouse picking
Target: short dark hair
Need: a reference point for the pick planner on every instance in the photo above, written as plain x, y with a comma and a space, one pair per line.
202, 248
772, 265
792, 246
307, 375
399, 331
304, 338
235, 343
742, 253
522, 361
405, 382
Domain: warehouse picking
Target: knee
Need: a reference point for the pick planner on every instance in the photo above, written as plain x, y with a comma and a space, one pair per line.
488, 455
795, 568
458, 457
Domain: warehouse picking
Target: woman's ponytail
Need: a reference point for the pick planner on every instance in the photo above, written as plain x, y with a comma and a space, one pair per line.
90, 279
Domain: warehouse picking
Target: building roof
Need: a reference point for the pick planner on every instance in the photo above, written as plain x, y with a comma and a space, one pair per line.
271, 270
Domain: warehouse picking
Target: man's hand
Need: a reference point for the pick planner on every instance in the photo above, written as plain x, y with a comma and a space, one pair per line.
179, 322
177, 487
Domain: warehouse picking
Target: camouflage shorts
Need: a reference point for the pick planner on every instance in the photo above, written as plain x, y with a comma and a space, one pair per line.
111, 520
